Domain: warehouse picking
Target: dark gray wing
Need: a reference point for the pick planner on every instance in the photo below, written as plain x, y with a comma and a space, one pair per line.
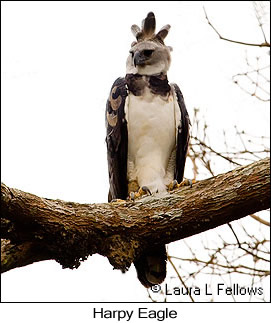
117, 141
182, 137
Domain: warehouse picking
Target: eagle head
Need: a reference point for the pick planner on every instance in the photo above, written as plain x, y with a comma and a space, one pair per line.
148, 54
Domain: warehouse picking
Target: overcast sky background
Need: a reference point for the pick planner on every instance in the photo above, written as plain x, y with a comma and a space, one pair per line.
59, 60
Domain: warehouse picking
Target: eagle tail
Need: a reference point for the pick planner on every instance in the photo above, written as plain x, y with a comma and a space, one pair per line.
151, 266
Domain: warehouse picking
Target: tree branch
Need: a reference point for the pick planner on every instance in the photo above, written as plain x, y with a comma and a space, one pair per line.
265, 44
257, 218
35, 228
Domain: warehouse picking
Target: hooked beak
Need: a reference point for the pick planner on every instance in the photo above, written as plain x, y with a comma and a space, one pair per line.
139, 59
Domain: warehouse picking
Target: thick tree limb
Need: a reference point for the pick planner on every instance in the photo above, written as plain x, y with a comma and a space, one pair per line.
35, 228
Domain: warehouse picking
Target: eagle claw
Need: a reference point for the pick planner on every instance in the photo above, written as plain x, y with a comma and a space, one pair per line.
187, 182
142, 191
146, 190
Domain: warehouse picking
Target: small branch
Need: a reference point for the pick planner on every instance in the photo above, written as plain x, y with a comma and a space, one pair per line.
265, 44
259, 17
242, 248
201, 143
179, 276
257, 218
229, 268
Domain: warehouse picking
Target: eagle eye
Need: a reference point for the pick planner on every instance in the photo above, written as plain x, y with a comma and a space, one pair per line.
148, 52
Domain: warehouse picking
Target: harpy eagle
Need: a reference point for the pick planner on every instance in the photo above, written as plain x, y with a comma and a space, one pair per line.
147, 133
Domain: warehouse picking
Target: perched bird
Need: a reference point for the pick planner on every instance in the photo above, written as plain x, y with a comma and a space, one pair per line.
147, 133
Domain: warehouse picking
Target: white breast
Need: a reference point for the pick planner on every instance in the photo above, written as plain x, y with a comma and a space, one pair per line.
151, 139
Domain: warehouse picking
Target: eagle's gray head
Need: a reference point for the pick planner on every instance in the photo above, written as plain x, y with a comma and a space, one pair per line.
149, 55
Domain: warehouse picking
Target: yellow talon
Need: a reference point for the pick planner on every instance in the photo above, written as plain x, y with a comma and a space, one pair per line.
174, 184
187, 182
142, 191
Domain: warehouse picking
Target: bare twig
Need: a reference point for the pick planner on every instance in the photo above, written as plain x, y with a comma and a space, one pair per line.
179, 276
257, 218
264, 44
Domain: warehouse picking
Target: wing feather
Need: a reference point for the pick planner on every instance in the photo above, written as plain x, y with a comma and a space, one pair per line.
117, 141
182, 136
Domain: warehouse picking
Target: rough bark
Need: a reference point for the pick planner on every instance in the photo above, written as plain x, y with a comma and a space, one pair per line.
35, 228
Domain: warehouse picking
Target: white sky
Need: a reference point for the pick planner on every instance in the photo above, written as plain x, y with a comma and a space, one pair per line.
59, 60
